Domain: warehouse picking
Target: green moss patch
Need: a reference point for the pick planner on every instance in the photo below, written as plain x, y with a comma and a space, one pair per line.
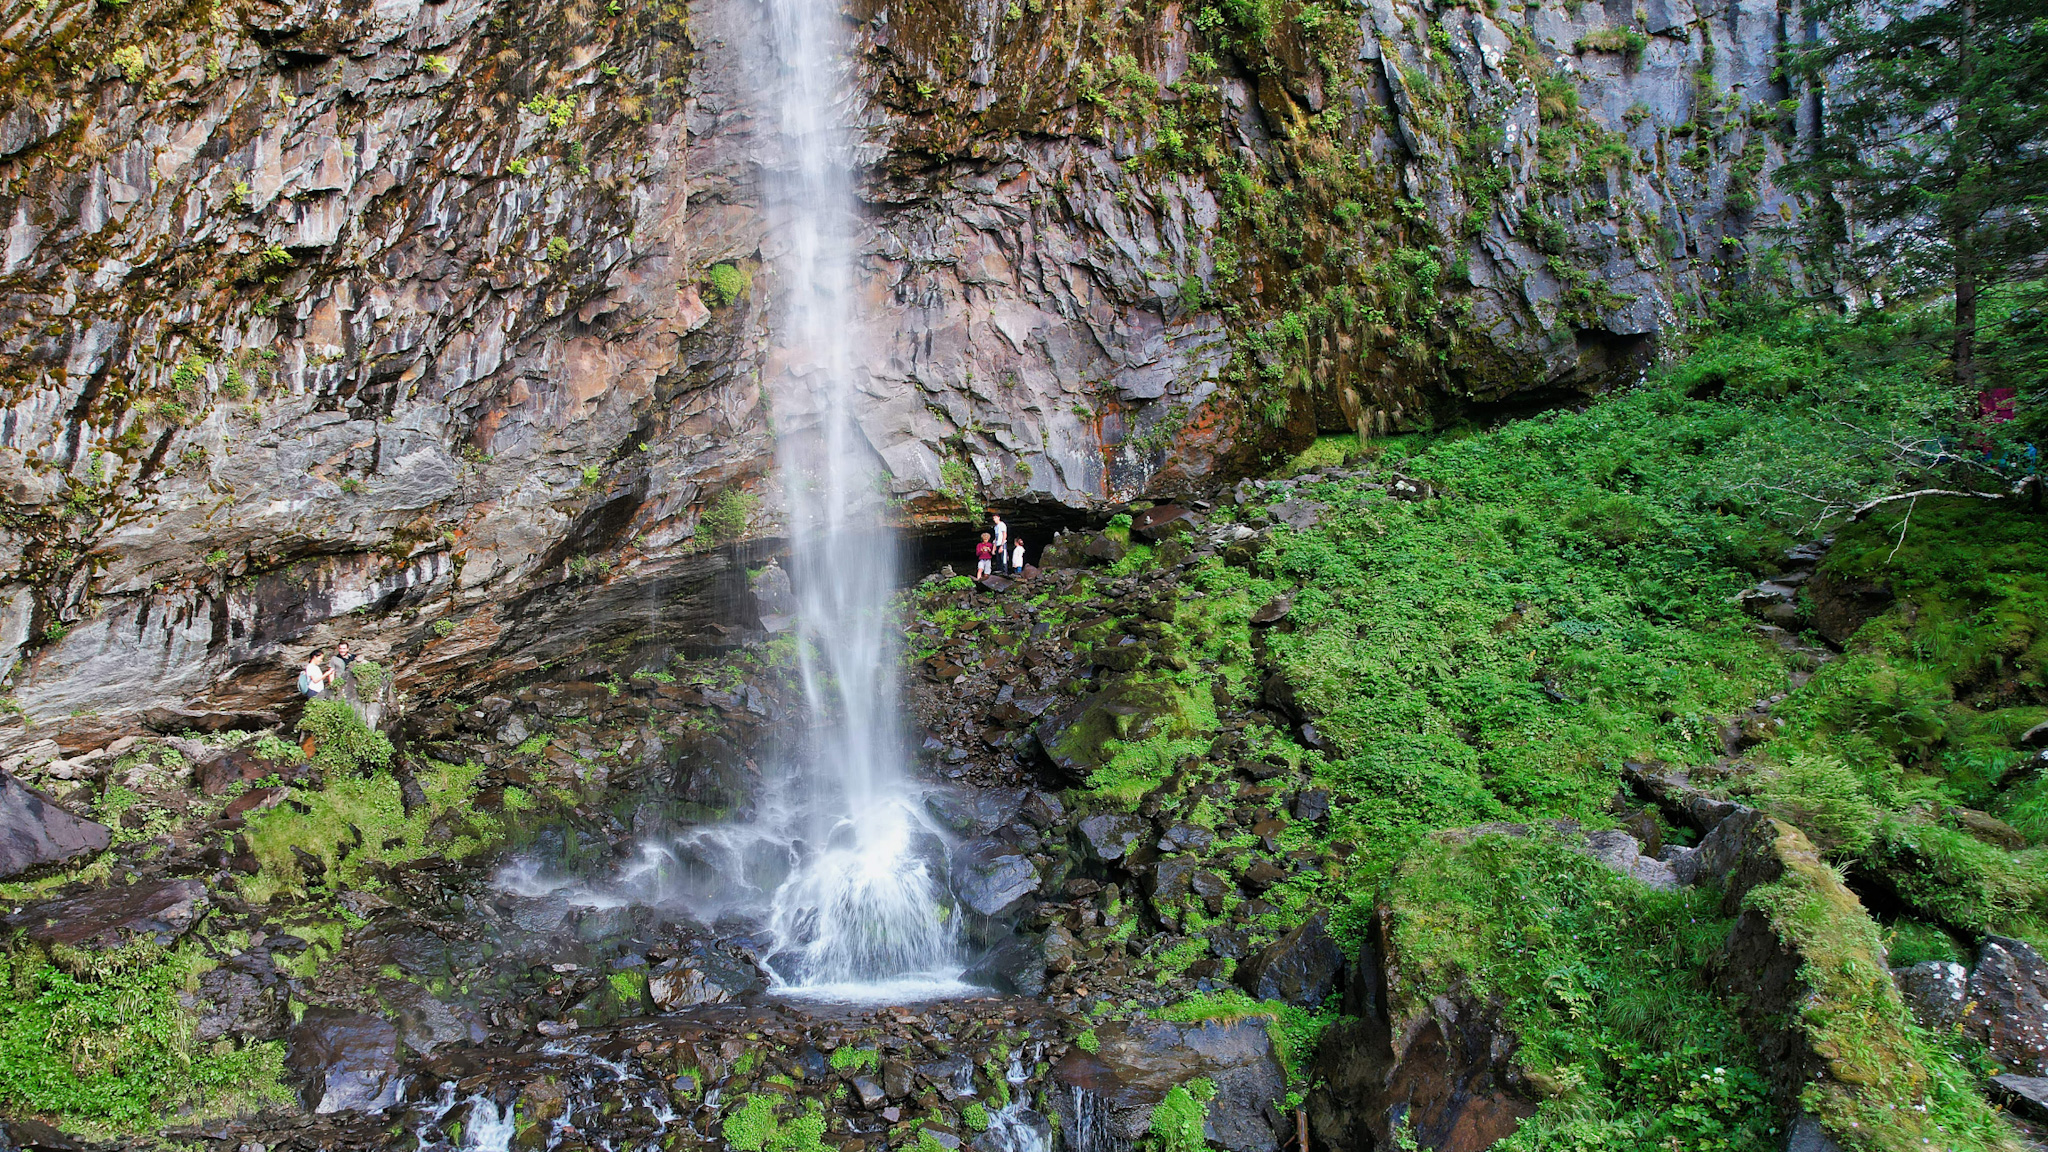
103, 1047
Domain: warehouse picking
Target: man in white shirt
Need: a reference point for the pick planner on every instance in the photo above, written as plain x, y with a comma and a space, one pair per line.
1002, 539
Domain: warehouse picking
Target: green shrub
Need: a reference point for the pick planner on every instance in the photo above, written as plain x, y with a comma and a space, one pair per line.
846, 1056
342, 743
726, 516
1177, 1121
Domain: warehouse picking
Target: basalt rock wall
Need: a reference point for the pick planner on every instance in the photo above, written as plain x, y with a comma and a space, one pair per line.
420, 323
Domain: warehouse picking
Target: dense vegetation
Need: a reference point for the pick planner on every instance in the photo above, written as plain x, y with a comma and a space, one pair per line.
1569, 604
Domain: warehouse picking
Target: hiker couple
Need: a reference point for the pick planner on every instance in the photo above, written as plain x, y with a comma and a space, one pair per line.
323, 672
996, 548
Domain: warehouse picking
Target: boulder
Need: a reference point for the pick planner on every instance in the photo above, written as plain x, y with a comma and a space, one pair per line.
774, 599
2022, 1095
1988, 828
991, 879
1936, 992
349, 1060
1303, 967
1312, 805
1841, 605
870, 1093
974, 811
1103, 548
1043, 810
1162, 522
1300, 515
1073, 737
1112, 835
35, 832
1273, 611
705, 976
2008, 1005
1441, 1067
1137, 1062
1014, 966
157, 911
217, 774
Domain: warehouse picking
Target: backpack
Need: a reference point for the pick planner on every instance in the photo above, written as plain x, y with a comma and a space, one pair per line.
305, 683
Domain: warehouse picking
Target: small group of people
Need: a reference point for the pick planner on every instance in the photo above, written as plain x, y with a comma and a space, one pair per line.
323, 671
998, 550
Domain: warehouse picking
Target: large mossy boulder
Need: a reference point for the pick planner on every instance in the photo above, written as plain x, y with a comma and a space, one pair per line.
1127, 710
1114, 1090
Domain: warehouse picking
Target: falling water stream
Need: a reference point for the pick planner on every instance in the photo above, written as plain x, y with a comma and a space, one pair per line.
863, 904
837, 857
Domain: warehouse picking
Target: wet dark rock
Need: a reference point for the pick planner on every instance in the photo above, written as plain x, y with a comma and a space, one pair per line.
1043, 810
706, 976
1059, 949
1312, 805
35, 832
1015, 966
1181, 835
974, 811
1441, 1070
2024, 1095
991, 879
244, 1000
1263, 874
31, 1135
1303, 967
869, 1093
1841, 606
1138, 1062
2008, 1005
424, 1023
897, 1079
158, 911
1112, 835
1936, 991
1211, 889
1169, 880
774, 599
349, 1061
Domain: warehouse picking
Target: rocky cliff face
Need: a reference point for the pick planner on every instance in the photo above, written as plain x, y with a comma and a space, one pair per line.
423, 323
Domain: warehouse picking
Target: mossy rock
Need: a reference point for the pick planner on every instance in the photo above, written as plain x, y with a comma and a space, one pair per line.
1129, 711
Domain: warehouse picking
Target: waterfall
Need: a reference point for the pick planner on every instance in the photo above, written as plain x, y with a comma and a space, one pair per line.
864, 901
837, 861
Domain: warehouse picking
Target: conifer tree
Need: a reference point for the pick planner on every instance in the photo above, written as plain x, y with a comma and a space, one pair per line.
1934, 140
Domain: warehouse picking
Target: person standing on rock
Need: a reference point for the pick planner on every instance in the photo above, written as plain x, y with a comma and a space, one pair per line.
1017, 557
339, 664
1002, 531
984, 557
313, 677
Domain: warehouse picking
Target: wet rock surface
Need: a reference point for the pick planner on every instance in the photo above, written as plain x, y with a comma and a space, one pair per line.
1137, 1064
37, 833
